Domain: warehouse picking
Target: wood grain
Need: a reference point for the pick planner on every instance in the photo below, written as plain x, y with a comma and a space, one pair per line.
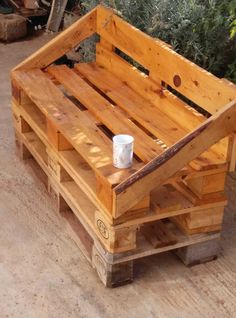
197, 84
64, 42
160, 169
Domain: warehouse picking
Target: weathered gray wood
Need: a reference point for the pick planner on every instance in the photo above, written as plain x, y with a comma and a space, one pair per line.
199, 253
56, 14
112, 275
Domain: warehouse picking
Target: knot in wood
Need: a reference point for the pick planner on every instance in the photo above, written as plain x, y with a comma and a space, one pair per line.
177, 80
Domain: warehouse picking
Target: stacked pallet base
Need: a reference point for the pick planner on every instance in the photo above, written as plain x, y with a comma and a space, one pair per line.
112, 249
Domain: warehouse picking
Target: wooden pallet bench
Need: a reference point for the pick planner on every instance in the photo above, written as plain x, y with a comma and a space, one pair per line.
172, 198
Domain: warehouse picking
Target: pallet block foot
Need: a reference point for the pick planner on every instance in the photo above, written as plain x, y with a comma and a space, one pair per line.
112, 275
199, 253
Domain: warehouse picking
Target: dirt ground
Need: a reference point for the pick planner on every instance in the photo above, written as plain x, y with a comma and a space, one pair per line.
44, 274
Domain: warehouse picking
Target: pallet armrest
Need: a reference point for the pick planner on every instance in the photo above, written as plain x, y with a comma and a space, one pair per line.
63, 43
161, 168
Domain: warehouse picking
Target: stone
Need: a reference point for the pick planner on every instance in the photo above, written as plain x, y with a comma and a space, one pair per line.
12, 27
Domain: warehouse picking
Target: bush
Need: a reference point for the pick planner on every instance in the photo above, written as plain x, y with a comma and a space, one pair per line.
203, 31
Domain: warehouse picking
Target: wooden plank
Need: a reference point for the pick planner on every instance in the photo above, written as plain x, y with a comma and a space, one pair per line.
149, 116
78, 233
63, 113
115, 240
232, 153
199, 200
144, 248
106, 44
111, 275
150, 235
166, 203
56, 15
207, 184
76, 127
56, 138
144, 146
175, 158
209, 220
164, 100
64, 42
136, 106
72, 194
36, 148
190, 80
164, 233
180, 112
71, 160
203, 218
158, 234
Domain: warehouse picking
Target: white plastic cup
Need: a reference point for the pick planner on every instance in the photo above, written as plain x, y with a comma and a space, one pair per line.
123, 151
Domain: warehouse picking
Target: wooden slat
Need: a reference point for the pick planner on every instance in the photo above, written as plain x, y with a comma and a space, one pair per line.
64, 42
198, 85
159, 235
73, 124
171, 105
144, 146
37, 148
180, 112
159, 170
148, 115
73, 163
232, 152
136, 106
192, 197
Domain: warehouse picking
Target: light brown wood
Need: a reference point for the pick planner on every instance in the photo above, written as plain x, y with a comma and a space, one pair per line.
77, 167
144, 146
74, 124
209, 220
154, 119
207, 184
64, 42
158, 234
198, 85
232, 153
156, 172
56, 138
180, 112
135, 105
169, 104
115, 240
199, 199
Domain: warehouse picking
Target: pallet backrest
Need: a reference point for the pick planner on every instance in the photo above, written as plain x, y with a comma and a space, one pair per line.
164, 64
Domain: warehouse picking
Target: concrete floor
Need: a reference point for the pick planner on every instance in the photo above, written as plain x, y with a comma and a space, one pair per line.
43, 273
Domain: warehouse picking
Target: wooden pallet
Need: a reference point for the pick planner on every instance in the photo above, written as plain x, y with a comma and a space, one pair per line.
113, 248
116, 268
65, 119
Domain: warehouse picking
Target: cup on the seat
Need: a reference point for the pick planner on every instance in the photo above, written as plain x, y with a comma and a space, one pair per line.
123, 151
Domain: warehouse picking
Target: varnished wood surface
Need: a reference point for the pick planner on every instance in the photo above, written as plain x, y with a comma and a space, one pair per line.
45, 275
192, 79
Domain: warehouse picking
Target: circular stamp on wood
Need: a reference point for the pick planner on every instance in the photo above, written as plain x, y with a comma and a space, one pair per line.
102, 229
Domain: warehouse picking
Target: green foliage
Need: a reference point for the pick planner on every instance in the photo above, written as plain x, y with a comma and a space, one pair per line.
204, 31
